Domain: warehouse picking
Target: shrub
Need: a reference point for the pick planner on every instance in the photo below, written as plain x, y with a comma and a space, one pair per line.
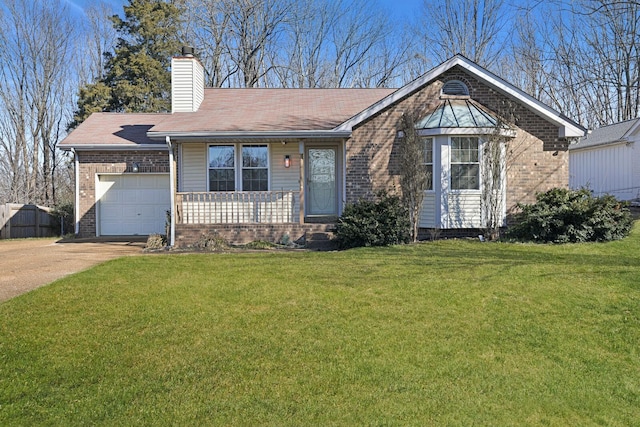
382, 222
562, 216
63, 218
156, 241
211, 242
260, 244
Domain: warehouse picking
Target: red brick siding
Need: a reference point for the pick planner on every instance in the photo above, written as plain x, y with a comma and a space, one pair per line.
188, 234
532, 167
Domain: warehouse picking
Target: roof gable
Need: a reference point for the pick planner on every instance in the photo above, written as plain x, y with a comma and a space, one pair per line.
567, 128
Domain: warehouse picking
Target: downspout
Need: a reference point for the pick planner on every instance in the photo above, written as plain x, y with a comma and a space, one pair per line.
172, 189
76, 209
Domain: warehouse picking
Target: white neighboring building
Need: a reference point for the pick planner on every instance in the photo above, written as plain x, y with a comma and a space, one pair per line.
607, 161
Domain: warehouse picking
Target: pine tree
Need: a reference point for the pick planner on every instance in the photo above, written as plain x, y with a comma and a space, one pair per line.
137, 77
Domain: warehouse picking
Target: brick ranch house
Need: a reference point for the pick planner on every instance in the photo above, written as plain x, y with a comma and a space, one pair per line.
250, 164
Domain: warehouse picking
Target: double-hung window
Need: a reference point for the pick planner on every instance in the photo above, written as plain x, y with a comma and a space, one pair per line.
427, 153
465, 163
238, 167
222, 171
255, 168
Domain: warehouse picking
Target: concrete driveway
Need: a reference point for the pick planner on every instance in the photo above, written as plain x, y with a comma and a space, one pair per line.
26, 264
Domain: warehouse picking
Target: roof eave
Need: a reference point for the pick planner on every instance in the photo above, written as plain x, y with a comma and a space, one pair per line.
234, 135
578, 147
510, 133
113, 147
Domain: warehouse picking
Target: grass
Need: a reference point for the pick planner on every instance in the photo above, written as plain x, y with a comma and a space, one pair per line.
441, 333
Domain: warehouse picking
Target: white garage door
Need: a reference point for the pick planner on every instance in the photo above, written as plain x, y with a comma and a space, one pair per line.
134, 204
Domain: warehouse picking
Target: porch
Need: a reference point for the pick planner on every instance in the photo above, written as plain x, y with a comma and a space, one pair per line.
238, 207
257, 187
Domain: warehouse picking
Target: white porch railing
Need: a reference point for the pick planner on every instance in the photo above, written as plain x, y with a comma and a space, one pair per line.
236, 207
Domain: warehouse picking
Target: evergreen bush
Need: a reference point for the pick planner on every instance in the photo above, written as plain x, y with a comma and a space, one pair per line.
563, 216
380, 222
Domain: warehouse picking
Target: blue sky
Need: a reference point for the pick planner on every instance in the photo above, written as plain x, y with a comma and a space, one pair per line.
78, 5
401, 9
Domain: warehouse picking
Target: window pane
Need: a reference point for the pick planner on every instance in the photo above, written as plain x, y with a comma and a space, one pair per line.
465, 177
429, 177
221, 156
255, 180
254, 156
222, 180
428, 151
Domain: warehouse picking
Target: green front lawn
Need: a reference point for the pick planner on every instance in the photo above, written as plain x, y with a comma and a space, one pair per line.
445, 333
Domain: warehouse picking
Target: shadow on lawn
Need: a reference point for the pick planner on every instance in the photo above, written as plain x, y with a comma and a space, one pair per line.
472, 254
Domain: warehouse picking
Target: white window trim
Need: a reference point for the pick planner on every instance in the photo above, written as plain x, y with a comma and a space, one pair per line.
480, 183
237, 157
433, 163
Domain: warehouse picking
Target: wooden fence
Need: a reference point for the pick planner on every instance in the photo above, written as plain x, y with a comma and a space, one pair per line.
21, 221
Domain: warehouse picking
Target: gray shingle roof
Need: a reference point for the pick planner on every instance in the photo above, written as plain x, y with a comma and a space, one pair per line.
606, 135
234, 110
114, 129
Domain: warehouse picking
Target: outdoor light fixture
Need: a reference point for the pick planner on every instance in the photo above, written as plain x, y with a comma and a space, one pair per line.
135, 168
287, 161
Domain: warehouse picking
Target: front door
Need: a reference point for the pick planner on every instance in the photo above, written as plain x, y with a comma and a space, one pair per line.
322, 185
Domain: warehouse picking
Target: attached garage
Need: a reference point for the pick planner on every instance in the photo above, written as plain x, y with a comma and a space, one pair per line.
132, 204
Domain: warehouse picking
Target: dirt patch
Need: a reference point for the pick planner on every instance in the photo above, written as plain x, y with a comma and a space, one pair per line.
27, 264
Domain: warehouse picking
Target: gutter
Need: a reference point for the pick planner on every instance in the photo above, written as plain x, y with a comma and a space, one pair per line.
576, 147
227, 135
113, 147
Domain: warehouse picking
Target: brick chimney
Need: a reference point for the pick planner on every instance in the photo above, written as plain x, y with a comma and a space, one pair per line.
187, 82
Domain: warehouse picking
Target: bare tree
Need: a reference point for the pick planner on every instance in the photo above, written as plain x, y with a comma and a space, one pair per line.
413, 174
344, 43
207, 27
303, 60
101, 38
473, 28
254, 28
494, 166
34, 96
591, 71
358, 30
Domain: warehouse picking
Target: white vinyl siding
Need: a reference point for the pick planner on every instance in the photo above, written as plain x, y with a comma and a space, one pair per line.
286, 178
187, 84
428, 212
463, 210
612, 169
193, 167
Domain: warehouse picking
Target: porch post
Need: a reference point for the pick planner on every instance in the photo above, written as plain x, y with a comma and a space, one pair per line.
172, 189
302, 181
